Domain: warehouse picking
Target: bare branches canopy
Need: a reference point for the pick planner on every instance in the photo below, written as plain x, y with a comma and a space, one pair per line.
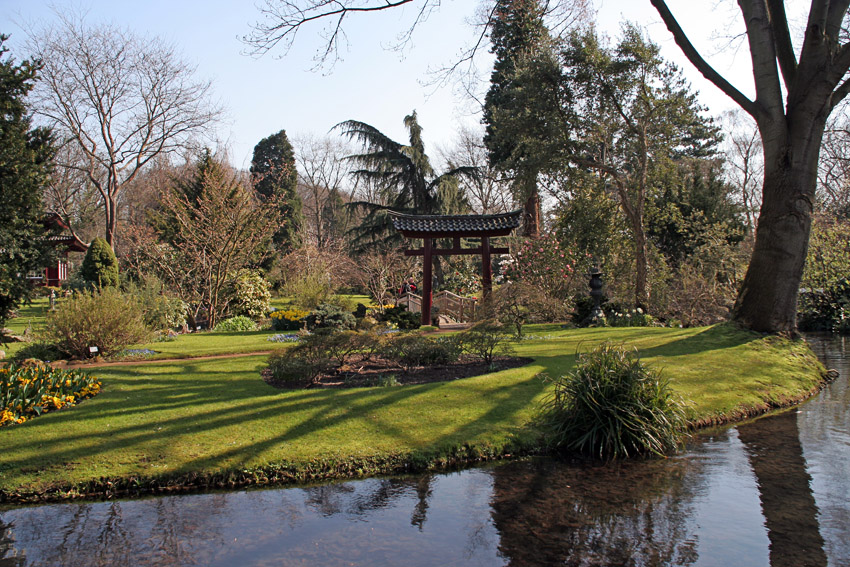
119, 98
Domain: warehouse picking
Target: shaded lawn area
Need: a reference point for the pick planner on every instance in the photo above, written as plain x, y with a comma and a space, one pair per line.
167, 419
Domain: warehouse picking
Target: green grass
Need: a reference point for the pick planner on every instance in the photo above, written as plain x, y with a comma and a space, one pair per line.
184, 346
170, 420
32, 316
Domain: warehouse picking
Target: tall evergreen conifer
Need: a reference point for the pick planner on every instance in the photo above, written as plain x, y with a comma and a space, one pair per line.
275, 179
24, 166
517, 113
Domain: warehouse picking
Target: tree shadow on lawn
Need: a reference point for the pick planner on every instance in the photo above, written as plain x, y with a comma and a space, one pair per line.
261, 411
717, 337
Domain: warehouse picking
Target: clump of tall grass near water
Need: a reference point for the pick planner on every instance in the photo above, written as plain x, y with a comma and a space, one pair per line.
612, 406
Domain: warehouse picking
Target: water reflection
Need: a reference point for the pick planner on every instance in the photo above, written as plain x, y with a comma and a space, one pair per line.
772, 492
633, 514
784, 485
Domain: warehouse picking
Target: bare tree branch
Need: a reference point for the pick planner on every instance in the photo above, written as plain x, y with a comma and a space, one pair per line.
697, 60
285, 18
782, 37
121, 99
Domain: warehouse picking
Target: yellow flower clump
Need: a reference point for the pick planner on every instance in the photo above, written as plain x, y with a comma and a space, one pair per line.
290, 314
27, 392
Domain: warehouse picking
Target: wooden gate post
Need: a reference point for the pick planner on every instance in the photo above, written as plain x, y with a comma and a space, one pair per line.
486, 270
426, 282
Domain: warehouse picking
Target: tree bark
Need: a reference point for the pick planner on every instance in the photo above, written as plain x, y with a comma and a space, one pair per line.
767, 301
531, 209
792, 132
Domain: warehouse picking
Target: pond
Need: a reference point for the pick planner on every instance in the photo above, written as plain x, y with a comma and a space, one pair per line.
773, 492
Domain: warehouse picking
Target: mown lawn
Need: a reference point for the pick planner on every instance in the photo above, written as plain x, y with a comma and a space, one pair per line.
174, 419
183, 346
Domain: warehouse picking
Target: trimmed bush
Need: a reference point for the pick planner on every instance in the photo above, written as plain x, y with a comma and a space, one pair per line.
106, 318
412, 349
329, 316
237, 324
100, 266
612, 406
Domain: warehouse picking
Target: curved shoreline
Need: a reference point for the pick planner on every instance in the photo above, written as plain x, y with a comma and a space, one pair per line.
292, 474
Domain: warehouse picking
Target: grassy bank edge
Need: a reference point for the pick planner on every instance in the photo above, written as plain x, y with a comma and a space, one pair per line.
339, 468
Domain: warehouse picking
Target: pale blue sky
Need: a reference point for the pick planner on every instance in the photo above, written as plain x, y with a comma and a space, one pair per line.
371, 84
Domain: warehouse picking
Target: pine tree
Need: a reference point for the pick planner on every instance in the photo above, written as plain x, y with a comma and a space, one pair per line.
25, 155
519, 111
405, 177
275, 179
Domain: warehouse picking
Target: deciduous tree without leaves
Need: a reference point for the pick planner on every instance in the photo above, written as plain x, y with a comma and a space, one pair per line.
120, 98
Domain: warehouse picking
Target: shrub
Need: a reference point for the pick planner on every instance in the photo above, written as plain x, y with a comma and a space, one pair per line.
251, 295
161, 311
341, 345
383, 381
400, 317
546, 266
288, 319
39, 350
100, 266
412, 349
360, 311
106, 318
303, 364
485, 340
237, 324
329, 316
293, 370
583, 308
612, 406
826, 309
27, 392
628, 318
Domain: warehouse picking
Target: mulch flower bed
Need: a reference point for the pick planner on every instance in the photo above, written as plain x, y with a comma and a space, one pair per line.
377, 371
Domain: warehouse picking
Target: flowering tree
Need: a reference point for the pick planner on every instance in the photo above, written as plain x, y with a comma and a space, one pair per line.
546, 265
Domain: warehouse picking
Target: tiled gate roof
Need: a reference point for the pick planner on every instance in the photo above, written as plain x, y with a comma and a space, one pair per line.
443, 226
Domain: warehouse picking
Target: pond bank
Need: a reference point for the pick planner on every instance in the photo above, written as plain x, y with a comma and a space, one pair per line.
196, 424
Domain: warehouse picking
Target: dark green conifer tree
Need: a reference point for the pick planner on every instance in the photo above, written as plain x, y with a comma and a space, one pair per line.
403, 175
100, 266
521, 110
25, 155
275, 178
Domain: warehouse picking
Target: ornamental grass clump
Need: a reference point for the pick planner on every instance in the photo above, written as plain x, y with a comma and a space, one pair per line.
612, 406
29, 391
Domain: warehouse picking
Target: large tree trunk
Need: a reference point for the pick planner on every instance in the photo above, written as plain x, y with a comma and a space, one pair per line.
641, 268
767, 300
111, 211
531, 208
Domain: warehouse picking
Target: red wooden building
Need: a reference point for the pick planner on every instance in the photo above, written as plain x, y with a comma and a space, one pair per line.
63, 243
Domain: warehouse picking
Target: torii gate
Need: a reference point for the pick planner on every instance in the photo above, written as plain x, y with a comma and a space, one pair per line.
429, 227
